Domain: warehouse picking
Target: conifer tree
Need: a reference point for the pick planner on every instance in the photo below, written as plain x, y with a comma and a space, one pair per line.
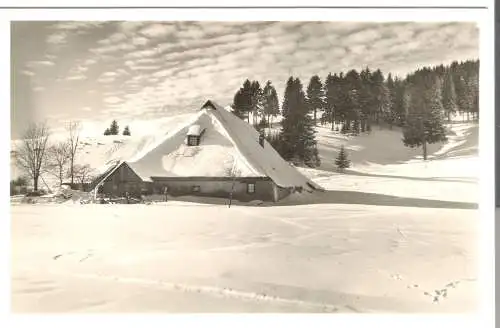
392, 115
350, 96
297, 129
126, 131
366, 99
270, 102
332, 98
464, 97
114, 128
425, 121
380, 96
315, 96
238, 107
299, 110
473, 87
289, 135
243, 101
310, 155
400, 103
342, 162
449, 95
256, 101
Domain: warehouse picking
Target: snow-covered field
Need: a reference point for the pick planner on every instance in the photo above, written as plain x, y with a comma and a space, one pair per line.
393, 234
185, 258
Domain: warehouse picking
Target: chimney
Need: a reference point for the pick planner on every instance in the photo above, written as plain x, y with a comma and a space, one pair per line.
261, 140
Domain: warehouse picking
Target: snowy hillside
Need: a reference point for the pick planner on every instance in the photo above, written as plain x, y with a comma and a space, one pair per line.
385, 147
382, 165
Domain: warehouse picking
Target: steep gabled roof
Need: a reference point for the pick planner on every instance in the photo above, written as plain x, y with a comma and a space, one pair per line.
229, 147
104, 176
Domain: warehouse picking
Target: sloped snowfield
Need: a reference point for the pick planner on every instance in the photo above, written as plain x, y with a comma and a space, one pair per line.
382, 165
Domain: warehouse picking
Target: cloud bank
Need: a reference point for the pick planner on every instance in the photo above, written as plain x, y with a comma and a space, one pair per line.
140, 70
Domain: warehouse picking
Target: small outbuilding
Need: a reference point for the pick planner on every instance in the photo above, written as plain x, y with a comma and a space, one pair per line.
118, 180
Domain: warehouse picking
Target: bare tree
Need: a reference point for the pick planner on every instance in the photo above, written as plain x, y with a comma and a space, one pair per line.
32, 155
232, 172
58, 156
83, 173
73, 129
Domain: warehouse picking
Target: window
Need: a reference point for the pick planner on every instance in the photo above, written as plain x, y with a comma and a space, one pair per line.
193, 141
196, 188
251, 188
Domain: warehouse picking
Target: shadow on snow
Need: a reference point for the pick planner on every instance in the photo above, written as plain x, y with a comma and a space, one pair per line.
337, 197
444, 179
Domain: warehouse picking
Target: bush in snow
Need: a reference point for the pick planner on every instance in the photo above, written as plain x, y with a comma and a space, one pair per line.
342, 162
126, 131
18, 186
114, 128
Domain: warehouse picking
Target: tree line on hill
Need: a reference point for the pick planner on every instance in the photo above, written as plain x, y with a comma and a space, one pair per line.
114, 130
352, 102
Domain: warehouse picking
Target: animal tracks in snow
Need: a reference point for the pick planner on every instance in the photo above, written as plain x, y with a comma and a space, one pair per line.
396, 276
83, 255
438, 295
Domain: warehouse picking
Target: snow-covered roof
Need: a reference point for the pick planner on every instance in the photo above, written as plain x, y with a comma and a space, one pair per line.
102, 177
194, 130
230, 147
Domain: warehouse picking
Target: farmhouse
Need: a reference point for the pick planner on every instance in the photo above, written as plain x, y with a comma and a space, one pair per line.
213, 154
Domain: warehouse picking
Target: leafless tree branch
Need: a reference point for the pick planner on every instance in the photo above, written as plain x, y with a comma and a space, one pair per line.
73, 129
32, 155
58, 157
83, 173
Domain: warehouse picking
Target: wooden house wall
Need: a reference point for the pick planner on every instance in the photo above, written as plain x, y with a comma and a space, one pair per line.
217, 188
121, 181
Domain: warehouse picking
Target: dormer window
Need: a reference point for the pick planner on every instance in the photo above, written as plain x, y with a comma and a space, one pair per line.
193, 140
194, 135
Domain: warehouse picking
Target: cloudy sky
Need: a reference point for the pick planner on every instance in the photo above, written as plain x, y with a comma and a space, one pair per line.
132, 71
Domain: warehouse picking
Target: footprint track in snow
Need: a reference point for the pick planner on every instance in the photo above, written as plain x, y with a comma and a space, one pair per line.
216, 291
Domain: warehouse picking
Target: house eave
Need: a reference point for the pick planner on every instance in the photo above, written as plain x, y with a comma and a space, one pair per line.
205, 178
